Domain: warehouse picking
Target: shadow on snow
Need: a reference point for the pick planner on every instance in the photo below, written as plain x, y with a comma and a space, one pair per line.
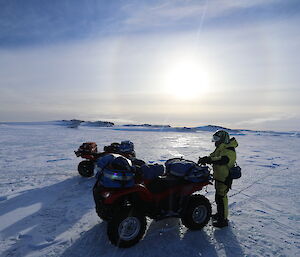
162, 238
43, 214
62, 205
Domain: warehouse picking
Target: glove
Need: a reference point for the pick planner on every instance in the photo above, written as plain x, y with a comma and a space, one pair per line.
204, 160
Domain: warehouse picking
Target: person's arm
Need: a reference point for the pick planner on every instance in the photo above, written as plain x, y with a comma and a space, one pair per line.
219, 160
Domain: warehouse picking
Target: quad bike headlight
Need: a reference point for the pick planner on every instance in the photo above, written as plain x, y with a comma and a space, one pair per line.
105, 194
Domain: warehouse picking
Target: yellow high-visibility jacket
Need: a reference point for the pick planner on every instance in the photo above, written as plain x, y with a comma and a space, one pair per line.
220, 172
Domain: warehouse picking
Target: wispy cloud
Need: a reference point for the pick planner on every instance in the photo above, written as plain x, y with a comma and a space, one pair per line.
109, 58
182, 13
35, 22
276, 117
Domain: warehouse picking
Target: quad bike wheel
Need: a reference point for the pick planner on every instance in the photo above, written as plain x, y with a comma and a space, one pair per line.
197, 213
126, 228
86, 168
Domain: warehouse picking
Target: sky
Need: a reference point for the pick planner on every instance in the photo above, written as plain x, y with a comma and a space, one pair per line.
183, 63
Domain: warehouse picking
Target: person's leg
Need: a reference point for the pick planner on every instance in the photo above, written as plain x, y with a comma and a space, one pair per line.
222, 204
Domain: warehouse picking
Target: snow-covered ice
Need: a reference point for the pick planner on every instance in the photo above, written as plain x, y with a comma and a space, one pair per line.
47, 209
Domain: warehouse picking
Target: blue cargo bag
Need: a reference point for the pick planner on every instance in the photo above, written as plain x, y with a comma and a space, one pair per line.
126, 147
152, 171
116, 178
188, 170
199, 174
102, 162
118, 172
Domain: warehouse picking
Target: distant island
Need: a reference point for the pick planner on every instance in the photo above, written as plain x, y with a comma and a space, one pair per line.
147, 125
76, 123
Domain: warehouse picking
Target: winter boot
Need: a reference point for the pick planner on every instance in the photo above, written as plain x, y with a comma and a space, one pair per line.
220, 223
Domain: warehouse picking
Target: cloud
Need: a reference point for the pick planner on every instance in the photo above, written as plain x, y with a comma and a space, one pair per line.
48, 22
191, 13
119, 75
268, 119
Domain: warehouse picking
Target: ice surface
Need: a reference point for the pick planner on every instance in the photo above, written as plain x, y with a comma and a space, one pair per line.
47, 209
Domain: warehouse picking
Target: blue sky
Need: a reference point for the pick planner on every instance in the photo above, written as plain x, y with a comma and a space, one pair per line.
189, 63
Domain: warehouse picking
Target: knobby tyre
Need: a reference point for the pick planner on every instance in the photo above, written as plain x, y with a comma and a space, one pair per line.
86, 168
198, 212
126, 228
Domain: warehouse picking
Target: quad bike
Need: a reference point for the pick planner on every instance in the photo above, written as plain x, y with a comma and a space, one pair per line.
126, 209
89, 152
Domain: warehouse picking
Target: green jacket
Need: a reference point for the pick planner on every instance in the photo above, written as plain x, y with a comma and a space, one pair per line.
221, 171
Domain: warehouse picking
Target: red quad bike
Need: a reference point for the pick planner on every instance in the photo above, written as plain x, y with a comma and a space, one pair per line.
126, 209
89, 152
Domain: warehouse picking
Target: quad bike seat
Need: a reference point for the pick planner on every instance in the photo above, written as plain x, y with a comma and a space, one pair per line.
164, 183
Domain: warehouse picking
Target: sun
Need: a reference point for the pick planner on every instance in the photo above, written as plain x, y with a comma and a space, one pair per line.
186, 78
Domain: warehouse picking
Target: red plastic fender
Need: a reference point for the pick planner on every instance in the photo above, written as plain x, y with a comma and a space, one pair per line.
115, 195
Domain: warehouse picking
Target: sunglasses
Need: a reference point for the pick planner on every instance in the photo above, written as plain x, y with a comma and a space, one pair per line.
215, 138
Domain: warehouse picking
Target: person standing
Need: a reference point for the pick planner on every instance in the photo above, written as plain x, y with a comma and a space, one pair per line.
222, 158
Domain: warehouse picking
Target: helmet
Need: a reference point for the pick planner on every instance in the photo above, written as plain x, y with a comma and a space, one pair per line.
221, 136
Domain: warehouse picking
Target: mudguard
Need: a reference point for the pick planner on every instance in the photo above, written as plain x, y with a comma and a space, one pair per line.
114, 195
